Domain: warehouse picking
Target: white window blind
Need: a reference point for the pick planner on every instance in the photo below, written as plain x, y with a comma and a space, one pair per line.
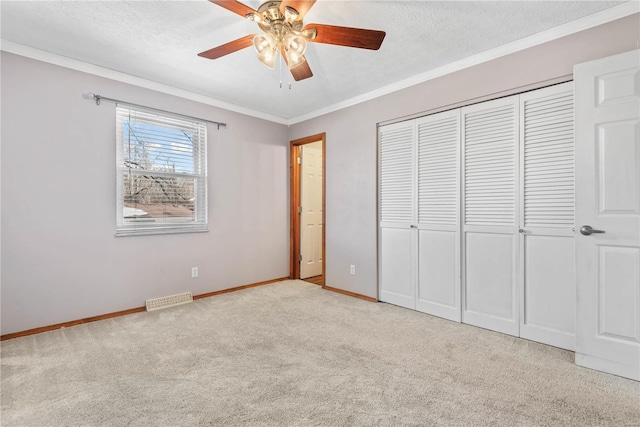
161, 173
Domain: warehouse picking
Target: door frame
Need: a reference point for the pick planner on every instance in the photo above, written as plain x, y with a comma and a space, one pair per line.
294, 202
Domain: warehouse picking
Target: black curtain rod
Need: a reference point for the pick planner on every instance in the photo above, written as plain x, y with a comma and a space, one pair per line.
99, 98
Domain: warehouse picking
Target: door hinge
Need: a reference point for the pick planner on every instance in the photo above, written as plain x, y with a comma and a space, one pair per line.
299, 257
299, 209
299, 160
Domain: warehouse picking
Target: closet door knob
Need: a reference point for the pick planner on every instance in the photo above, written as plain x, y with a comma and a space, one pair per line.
587, 230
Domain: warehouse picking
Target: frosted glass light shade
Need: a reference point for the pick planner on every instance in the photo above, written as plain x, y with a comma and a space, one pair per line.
294, 48
290, 14
266, 45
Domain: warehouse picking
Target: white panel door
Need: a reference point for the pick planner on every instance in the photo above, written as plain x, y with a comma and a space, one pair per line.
311, 210
398, 238
490, 188
547, 278
608, 199
438, 285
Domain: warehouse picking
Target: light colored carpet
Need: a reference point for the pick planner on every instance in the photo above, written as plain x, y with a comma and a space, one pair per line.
292, 353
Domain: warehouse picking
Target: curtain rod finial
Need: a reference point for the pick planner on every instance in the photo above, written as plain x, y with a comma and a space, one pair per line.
92, 95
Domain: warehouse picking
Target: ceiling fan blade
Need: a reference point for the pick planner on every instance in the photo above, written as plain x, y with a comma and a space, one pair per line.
228, 48
301, 6
345, 36
300, 72
235, 7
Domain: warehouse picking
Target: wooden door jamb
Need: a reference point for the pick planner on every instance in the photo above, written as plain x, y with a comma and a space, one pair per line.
294, 201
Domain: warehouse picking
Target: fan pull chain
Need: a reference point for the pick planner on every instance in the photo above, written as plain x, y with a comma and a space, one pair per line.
280, 71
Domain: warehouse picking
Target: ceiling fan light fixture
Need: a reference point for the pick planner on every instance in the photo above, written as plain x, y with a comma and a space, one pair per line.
309, 33
266, 45
268, 60
285, 34
290, 14
255, 17
294, 49
294, 60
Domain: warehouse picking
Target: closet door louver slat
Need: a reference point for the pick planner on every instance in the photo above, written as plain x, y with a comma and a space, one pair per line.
490, 174
549, 169
396, 173
438, 171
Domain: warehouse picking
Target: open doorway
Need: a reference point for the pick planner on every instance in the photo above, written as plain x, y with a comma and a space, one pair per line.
307, 209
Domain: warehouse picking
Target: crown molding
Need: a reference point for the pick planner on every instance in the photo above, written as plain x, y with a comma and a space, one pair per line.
590, 21
584, 23
85, 67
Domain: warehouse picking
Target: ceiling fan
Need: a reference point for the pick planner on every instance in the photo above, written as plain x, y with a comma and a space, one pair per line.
284, 32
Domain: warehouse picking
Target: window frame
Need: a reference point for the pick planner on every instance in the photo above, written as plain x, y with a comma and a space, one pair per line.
198, 129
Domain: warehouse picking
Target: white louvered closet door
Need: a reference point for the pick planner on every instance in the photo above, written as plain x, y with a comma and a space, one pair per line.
547, 277
397, 195
490, 188
438, 285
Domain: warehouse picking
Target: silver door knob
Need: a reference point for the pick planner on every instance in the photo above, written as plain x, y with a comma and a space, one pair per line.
587, 230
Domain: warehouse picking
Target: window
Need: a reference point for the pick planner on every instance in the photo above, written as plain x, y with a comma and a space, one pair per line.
161, 173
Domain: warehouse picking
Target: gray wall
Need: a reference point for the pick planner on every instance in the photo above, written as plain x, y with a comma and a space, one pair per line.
351, 199
60, 259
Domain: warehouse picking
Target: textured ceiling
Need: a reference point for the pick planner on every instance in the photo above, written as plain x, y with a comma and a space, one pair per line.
160, 40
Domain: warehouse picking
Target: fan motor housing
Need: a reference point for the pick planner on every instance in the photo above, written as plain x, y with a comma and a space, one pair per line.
271, 15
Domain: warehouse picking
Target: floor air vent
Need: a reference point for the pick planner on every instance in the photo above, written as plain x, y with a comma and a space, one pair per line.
170, 301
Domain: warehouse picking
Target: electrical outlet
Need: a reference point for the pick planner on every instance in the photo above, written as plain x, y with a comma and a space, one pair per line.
194, 271
352, 269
